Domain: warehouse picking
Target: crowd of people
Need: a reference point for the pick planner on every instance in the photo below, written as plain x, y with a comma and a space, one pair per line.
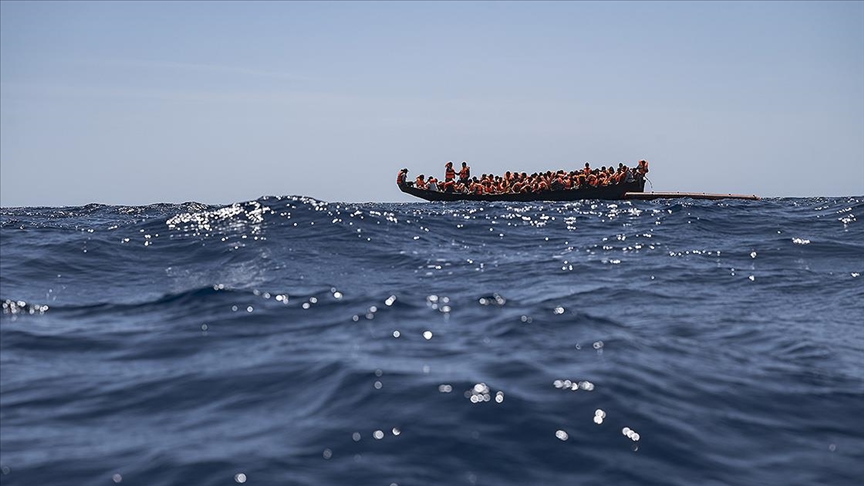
521, 182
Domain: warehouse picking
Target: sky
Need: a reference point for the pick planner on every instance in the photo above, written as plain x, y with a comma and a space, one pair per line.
132, 103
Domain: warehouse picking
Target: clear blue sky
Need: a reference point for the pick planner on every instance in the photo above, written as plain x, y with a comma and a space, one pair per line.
136, 103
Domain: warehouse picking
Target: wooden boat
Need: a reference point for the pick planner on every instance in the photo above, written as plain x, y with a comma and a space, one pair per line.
616, 191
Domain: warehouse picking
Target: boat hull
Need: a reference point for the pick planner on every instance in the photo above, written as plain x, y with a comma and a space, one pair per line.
613, 192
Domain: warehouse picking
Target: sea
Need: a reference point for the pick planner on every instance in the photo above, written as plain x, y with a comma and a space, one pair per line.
293, 341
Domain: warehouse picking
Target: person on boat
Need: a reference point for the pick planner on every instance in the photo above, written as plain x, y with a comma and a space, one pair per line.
578, 180
402, 178
477, 186
449, 173
617, 175
447, 186
587, 169
542, 185
642, 168
464, 173
432, 184
517, 187
418, 182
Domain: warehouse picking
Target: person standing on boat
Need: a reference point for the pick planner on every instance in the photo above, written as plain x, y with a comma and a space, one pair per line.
449, 173
642, 168
464, 173
402, 178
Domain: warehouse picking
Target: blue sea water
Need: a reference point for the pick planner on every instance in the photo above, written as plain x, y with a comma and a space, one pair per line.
293, 341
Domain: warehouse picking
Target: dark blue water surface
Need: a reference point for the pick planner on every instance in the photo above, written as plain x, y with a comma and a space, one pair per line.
298, 342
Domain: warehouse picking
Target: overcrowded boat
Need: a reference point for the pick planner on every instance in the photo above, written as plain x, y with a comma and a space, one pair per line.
586, 183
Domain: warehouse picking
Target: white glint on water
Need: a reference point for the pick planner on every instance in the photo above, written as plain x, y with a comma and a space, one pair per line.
599, 415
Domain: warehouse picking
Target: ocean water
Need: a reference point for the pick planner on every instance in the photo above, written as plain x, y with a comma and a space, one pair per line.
297, 342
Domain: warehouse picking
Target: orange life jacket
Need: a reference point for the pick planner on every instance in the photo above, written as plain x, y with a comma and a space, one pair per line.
449, 173
464, 172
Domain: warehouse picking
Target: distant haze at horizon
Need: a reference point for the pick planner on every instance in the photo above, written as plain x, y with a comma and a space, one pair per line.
138, 103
